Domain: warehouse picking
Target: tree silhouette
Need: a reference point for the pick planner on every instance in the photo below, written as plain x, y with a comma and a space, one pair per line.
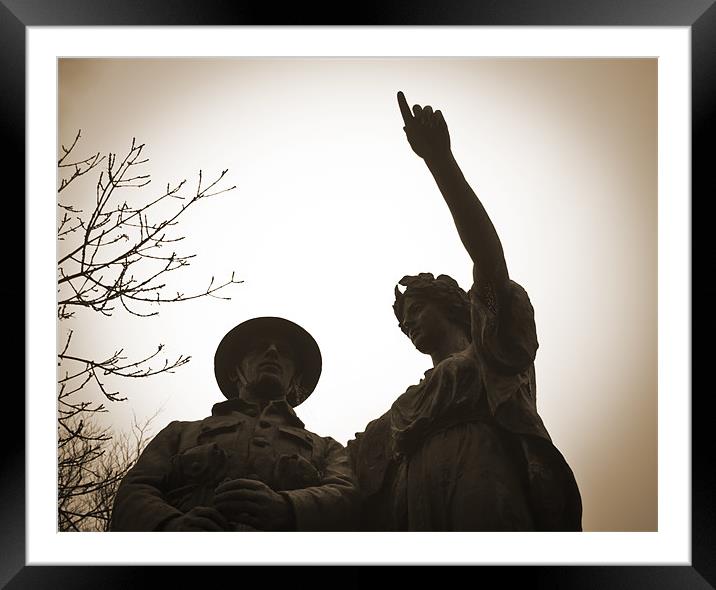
114, 257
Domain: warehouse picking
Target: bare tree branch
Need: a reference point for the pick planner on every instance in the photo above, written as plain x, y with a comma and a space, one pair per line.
115, 252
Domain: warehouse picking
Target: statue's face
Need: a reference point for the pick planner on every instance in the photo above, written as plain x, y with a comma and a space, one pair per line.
426, 323
269, 367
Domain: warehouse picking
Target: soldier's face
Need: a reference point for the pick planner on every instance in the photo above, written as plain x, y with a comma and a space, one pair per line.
269, 368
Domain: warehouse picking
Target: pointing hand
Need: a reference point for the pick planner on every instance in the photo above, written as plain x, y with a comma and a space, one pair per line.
426, 130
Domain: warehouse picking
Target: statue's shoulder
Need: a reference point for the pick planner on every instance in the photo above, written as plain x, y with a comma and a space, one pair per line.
186, 433
176, 428
374, 428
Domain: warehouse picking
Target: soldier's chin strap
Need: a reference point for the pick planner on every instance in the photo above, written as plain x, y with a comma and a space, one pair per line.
237, 376
238, 379
294, 387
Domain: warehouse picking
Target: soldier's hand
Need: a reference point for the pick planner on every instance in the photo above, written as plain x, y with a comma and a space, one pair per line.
426, 130
252, 502
199, 518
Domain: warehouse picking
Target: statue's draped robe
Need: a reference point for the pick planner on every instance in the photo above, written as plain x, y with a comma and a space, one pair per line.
465, 449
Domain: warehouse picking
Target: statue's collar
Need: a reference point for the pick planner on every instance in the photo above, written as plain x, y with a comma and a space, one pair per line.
280, 407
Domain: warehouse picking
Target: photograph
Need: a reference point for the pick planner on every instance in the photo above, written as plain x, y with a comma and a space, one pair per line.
515, 199
375, 295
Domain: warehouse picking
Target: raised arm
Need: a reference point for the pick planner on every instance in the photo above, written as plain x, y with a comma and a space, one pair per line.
428, 135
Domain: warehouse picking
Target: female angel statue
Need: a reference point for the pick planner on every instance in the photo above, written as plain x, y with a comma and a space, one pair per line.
464, 449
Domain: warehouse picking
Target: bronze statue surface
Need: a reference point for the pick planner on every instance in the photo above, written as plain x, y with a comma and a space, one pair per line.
462, 449
251, 465
465, 448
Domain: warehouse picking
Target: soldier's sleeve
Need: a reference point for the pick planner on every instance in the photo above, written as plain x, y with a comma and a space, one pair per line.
353, 448
333, 504
140, 504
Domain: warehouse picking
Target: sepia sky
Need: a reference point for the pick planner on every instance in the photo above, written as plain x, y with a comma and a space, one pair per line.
332, 208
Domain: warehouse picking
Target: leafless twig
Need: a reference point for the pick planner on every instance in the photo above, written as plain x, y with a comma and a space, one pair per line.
119, 252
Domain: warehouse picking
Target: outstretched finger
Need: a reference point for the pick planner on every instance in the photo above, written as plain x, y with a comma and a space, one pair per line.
404, 109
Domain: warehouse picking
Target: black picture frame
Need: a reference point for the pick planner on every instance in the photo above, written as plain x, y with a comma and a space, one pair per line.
699, 15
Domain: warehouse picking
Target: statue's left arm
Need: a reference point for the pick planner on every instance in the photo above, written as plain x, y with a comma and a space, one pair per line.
509, 340
428, 135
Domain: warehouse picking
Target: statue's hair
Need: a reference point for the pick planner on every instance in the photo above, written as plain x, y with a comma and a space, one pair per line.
443, 291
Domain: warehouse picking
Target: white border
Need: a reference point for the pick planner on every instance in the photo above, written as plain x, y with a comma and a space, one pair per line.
671, 545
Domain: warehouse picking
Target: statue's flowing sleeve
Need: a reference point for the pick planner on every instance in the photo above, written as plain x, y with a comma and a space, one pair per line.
140, 504
333, 504
503, 326
504, 337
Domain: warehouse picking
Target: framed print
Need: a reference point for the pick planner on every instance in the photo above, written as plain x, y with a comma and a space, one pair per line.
293, 125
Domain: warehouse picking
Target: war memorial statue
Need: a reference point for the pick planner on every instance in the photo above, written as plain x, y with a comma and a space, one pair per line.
251, 465
462, 450
465, 448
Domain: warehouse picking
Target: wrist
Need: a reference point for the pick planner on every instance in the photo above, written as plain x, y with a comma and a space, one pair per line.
440, 160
